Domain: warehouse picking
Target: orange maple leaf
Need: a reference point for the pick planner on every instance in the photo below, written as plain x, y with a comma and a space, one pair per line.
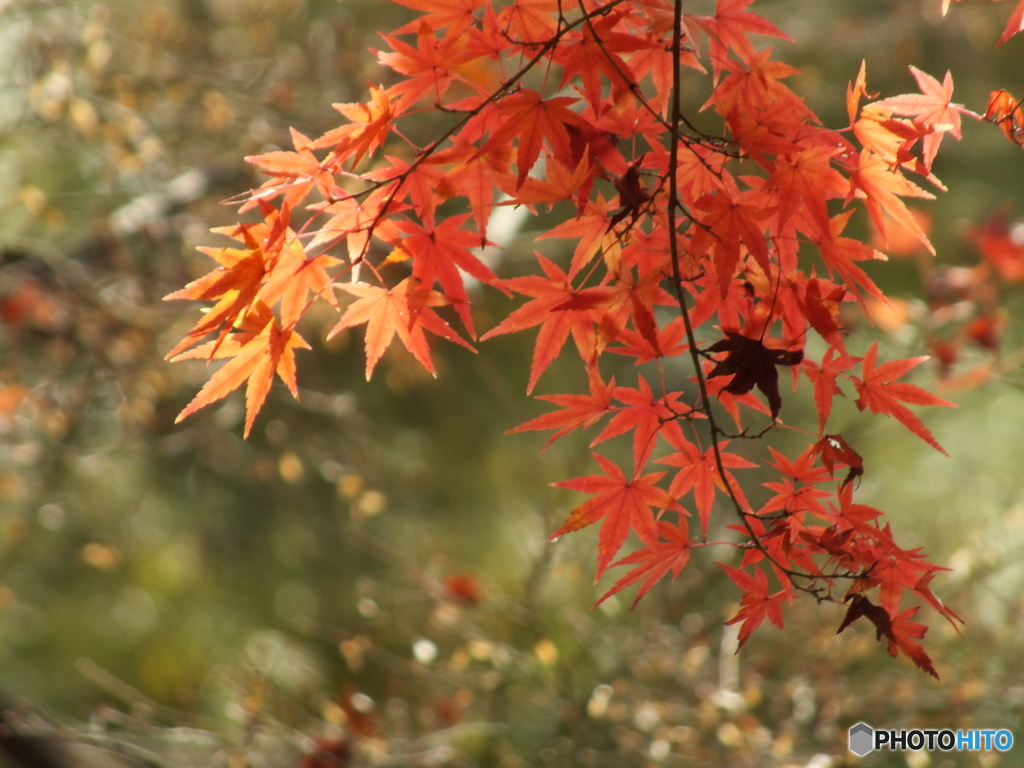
932, 107
233, 285
533, 120
881, 187
258, 350
371, 123
404, 310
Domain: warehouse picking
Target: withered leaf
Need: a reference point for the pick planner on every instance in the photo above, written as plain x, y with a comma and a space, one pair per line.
752, 364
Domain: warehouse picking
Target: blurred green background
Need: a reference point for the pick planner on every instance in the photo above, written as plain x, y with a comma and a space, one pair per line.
370, 569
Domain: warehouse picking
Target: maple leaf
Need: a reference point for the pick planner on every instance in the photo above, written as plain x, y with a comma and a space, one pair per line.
624, 504
857, 89
752, 364
881, 393
643, 414
533, 120
833, 450
438, 14
1005, 111
559, 183
590, 231
730, 27
438, 253
755, 86
898, 630
428, 67
756, 604
699, 473
822, 312
824, 377
725, 224
404, 310
473, 175
653, 561
841, 253
293, 174
881, 188
595, 58
553, 308
578, 411
294, 276
933, 107
797, 491
234, 285
371, 123
529, 21
258, 351
1014, 24
807, 178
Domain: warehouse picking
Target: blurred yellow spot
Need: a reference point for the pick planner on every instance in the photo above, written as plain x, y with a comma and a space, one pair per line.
349, 486
33, 198
546, 652
354, 651
102, 557
83, 116
218, 114
371, 503
729, 735
290, 467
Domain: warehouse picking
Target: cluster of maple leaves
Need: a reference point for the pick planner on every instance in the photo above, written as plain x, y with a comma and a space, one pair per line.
712, 258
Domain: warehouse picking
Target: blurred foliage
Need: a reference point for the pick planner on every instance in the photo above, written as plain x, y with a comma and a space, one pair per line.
367, 581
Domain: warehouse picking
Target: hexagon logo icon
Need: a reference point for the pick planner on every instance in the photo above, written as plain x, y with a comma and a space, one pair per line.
862, 738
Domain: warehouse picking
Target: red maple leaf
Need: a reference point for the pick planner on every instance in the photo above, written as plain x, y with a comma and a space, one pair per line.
578, 411
730, 27
654, 561
554, 308
881, 393
833, 450
624, 504
756, 604
900, 632
1014, 24
698, 472
438, 253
